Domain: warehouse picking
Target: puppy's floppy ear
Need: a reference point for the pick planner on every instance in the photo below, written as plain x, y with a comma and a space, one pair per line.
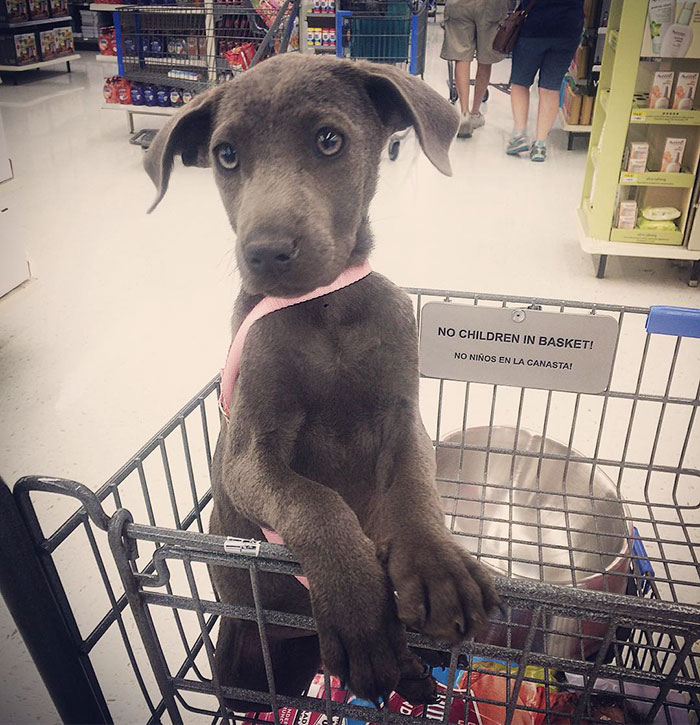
402, 100
186, 133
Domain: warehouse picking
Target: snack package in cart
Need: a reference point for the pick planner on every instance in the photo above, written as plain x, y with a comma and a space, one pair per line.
479, 698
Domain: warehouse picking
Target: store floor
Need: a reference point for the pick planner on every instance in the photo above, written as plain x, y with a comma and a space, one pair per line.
127, 314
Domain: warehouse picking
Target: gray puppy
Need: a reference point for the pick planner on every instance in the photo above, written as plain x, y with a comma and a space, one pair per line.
325, 444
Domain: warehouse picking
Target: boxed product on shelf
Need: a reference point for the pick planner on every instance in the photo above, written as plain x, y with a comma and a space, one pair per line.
64, 41
13, 11
38, 9
58, 8
684, 95
627, 214
579, 64
571, 105
660, 92
672, 158
47, 44
18, 48
635, 158
586, 110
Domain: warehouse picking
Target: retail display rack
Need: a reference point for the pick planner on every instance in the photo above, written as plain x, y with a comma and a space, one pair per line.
581, 80
618, 183
181, 50
35, 34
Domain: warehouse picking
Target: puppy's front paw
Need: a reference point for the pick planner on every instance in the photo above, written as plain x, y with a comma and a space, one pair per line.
441, 590
362, 640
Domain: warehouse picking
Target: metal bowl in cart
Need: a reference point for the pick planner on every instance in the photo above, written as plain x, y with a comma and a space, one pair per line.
536, 514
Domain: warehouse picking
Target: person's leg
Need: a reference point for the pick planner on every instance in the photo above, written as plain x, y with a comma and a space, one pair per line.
481, 83
520, 106
555, 62
526, 61
462, 82
546, 112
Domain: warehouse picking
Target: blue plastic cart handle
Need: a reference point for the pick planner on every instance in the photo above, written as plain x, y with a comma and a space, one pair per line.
678, 321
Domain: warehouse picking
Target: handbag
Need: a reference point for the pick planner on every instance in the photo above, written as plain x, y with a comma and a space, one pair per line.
509, 29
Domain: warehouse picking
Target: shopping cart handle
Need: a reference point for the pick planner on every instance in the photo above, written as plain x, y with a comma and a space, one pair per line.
678, 321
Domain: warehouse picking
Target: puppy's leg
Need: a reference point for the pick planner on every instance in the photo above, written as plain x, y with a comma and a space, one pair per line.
239, 657
361, 638
239, 662
441, 590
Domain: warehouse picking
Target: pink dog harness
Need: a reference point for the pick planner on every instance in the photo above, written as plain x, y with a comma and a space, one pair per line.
232, 368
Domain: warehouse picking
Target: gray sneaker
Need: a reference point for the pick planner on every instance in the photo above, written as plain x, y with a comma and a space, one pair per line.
517, 144
478, 120
538, 151
466, 126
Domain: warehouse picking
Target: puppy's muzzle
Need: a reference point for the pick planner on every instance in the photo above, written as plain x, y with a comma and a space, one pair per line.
271, 258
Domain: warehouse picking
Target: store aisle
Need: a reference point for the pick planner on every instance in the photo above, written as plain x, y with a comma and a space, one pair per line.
127, 314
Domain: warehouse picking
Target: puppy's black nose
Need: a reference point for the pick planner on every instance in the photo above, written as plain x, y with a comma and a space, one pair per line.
272, 257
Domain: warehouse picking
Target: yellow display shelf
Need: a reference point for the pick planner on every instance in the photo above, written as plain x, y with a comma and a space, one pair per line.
603, 99
635, 246
656, 178
670, 116
646, 236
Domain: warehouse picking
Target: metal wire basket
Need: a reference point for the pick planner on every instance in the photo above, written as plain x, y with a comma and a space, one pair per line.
194, 47
108, 617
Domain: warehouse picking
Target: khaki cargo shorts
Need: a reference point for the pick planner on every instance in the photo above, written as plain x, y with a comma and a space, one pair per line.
470, 27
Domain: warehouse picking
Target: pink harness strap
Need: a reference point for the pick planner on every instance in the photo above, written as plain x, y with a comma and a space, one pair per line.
232, 368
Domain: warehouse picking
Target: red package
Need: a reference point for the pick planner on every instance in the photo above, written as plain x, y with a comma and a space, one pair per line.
124, 91
106, 43
241, 57
110, 91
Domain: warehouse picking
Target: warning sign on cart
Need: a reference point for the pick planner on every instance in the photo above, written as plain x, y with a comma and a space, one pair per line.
520, 347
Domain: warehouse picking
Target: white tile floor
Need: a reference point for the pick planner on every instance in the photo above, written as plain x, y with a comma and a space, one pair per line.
127, 314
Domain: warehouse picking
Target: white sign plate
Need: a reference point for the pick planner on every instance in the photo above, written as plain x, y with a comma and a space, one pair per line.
518, 347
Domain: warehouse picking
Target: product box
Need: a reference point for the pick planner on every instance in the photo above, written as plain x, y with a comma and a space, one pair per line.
13, 11
579, 64
64, 41
672, 159
672, 29
684, 95
38, 9
586, 110
660, 92
627, 215
636, 155
47, 44
58, 8
18, 48
571, 106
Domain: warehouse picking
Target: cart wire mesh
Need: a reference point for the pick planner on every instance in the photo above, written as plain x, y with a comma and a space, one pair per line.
384, 31
140, 607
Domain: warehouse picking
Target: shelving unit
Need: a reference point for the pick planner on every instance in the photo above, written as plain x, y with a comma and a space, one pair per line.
30, 43
41, 64
156, 43
325, 21
132, 111
617, 120
582, 75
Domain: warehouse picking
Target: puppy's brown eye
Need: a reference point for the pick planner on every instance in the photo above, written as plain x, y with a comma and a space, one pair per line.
329, 141
226, 156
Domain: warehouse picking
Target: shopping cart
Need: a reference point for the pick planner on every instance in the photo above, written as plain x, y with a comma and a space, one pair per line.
116, 606
384, 31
